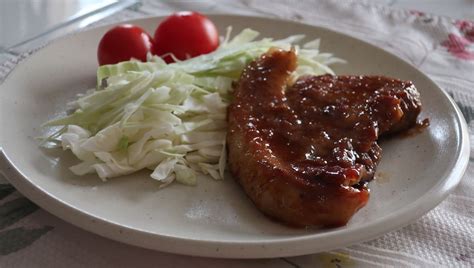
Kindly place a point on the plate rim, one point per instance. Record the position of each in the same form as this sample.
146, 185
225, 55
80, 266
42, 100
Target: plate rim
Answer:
278, 247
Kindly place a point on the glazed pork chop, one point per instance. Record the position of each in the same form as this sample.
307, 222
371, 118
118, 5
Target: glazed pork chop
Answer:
304, 152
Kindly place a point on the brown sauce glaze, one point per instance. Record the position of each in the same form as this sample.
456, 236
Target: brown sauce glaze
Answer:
418, 128
304, 153
327, 126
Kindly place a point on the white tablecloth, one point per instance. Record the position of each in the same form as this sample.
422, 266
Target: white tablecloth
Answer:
443, 48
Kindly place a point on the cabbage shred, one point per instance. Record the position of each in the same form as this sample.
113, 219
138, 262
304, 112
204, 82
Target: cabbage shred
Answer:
169, 118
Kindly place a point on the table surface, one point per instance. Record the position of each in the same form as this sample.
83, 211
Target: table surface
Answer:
31, 237
458, 9
23, 21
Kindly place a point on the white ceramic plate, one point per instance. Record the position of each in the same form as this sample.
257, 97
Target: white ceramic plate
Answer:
215, 218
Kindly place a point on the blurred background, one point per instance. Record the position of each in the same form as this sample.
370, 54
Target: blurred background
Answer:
27, 24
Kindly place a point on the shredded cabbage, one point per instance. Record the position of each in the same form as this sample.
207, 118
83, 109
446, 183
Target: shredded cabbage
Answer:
169, 118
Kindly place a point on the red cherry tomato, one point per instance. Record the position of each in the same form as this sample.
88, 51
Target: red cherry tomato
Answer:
185, 34
122, 43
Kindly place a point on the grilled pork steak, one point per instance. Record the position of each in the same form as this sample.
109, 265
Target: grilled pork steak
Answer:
304, 153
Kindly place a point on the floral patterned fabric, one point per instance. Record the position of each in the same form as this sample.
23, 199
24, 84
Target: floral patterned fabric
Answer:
461, 42
441, 47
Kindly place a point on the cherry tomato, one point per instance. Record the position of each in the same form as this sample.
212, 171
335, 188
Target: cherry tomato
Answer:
185, 34
122, 43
